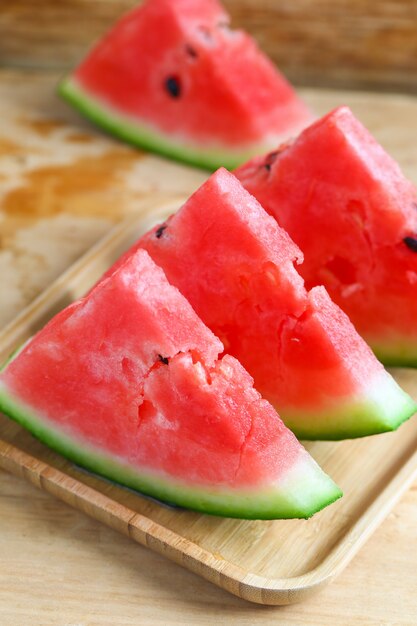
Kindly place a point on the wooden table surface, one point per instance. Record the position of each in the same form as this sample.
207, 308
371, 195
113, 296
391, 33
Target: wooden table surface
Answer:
62, 186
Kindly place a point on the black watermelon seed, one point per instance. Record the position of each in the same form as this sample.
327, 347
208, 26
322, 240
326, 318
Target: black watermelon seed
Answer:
173, 86
192, 52
270, 158
159, 231
411, 242
415, 205
163, 359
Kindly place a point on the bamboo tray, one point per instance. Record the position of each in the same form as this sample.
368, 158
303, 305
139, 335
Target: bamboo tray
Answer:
269, 562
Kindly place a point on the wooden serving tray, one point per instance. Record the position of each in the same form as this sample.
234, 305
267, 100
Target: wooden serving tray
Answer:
269, 562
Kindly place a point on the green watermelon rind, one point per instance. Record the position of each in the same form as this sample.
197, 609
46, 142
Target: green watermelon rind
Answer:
382, 408
303, 491
144, 136
395, 354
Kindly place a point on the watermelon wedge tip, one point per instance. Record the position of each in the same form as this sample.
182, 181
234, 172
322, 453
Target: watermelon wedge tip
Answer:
172, 77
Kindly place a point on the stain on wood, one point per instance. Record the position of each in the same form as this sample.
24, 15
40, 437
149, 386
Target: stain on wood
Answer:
10, 148
41, 126
86, 187
53, 214
78, 137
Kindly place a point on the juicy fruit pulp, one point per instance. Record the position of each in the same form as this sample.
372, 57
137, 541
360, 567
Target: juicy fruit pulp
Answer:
172, 77
236, 267
347, 205
127, 383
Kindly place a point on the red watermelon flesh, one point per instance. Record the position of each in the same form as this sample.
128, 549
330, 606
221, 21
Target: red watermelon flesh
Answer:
127, 383
173, 77
347, 205
236, 266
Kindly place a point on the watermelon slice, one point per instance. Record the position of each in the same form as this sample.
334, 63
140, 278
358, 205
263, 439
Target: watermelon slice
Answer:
173, 78
126, 382
236, 266
347, 205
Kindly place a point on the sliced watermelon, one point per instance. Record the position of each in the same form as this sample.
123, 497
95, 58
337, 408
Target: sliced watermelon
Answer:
236, 266
173, 78
126, 382
347, 205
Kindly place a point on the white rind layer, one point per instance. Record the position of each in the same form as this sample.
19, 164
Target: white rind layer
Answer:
382, 406
299, 493
146, 136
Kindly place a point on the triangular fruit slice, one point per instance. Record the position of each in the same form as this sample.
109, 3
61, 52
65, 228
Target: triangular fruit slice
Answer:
347, 205
126, 382
236, 267
172, 77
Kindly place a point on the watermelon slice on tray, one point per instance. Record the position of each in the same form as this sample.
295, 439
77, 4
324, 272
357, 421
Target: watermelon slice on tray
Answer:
348, 206
235, 265
173, 78
127, 383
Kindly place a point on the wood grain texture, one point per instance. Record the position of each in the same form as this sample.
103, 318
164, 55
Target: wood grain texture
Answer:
273, 562
356, 43
61, 568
